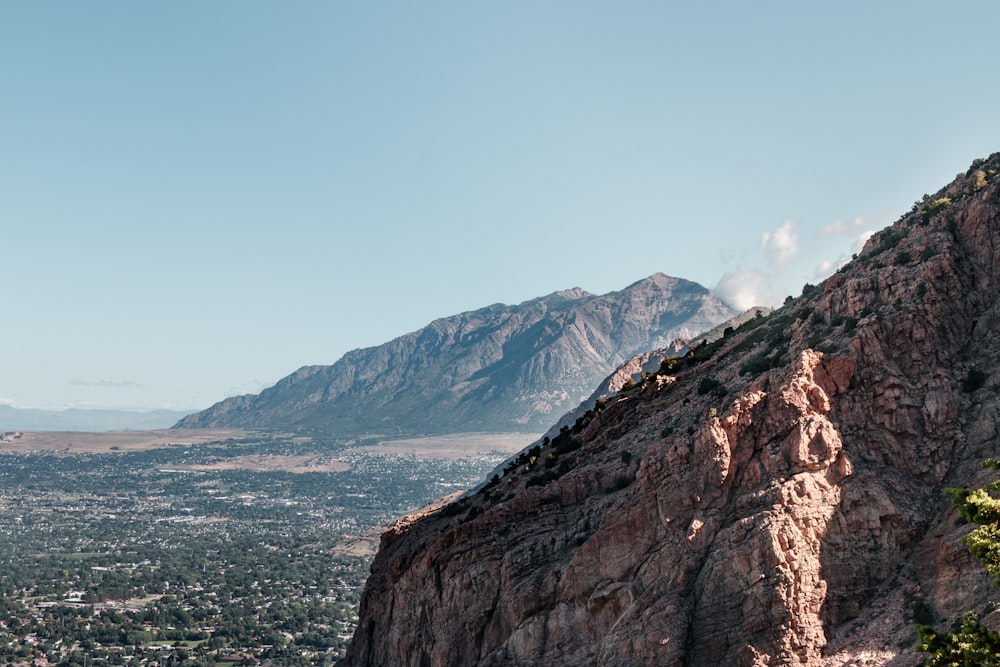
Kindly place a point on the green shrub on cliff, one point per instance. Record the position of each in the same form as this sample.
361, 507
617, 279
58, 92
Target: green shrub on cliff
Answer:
970, 642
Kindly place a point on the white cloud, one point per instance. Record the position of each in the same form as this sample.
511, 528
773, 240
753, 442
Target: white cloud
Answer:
8, 401
745, 288
828, 266
105, 382
860, 241
843, 227
825, 268
781, 245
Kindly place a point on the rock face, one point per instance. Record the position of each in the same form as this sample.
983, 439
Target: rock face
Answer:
773, 499
503, 368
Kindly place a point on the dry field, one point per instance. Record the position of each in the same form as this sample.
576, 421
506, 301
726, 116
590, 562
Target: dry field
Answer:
451, 446
78, 442
70, 443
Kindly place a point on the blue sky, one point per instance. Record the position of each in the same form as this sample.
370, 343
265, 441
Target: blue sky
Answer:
197, 198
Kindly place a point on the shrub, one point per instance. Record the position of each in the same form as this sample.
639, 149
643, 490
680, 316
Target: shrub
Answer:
889, 239
970, 642
670, 365
937, 205
974, 380
759, 364
706, 385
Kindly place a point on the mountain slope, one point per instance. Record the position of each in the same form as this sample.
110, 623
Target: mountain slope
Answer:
498, 368
773, 499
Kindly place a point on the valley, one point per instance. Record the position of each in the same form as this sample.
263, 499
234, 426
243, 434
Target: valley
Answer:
205, 546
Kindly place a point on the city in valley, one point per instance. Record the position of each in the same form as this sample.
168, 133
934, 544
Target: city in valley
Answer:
205, 547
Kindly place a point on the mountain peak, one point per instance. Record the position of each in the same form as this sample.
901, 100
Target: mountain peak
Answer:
500, 368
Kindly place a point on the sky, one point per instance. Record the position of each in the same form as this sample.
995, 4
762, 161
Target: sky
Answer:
197, 198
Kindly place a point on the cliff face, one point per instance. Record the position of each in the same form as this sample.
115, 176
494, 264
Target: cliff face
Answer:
501, 368
775, 499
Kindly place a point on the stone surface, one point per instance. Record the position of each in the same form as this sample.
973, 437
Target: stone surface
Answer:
778, 501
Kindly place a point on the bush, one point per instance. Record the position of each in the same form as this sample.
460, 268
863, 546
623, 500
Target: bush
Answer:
711, 386
670, 365
759, 364
973, 381
706, 385
936, 206
889, 239
970, 642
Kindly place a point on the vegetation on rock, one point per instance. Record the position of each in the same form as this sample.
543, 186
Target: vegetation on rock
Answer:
970, 642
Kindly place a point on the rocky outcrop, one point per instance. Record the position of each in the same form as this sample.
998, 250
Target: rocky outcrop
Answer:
774, 498
647, 362
503, 368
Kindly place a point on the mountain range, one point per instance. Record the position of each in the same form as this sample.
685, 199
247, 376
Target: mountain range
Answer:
499, 368
79, 419
776, 497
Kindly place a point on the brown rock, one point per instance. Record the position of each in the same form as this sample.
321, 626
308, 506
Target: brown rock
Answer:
794, 517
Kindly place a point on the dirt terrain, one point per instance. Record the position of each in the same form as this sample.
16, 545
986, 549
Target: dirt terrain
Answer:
433, 447
77, 442
451, 446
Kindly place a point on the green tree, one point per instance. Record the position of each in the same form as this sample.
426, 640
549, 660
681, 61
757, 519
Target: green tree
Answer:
970, 643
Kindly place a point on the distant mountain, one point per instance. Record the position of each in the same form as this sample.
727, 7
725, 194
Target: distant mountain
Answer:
18, 419
649, 361
500, 368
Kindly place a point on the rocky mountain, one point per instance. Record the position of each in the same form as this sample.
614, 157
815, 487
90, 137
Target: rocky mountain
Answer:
774, 498
500, 368
649, 362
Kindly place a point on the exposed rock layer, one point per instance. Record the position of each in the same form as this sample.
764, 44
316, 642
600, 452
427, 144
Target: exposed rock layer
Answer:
503, 368
775, 500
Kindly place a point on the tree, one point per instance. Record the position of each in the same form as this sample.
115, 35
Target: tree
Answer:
970, 642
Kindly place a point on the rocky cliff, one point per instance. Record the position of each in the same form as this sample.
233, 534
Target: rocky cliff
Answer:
502, 368
774, 498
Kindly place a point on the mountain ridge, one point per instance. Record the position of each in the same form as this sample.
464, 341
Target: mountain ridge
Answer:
496, 368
